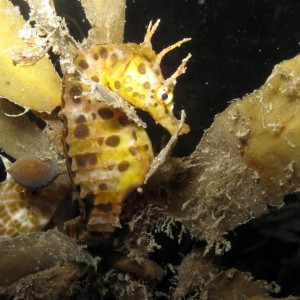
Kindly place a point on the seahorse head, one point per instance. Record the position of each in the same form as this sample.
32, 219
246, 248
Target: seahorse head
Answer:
133, 71
144, 86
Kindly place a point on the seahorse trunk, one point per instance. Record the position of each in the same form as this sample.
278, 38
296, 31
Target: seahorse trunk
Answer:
109, 155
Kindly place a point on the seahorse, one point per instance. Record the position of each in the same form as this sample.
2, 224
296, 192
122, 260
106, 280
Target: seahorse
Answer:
110, 154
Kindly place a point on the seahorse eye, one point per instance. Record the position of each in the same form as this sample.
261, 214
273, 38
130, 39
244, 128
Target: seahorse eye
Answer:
164, 95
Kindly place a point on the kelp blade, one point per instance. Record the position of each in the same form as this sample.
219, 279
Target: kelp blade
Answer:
37, 86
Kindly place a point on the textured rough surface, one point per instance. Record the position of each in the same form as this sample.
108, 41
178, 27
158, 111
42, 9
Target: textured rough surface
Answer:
200, 277
57, 282
105, 19
267, 125
213, 194
232, 284
194, 273
47, 249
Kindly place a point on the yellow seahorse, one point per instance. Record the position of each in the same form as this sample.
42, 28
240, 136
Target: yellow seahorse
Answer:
109, 154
